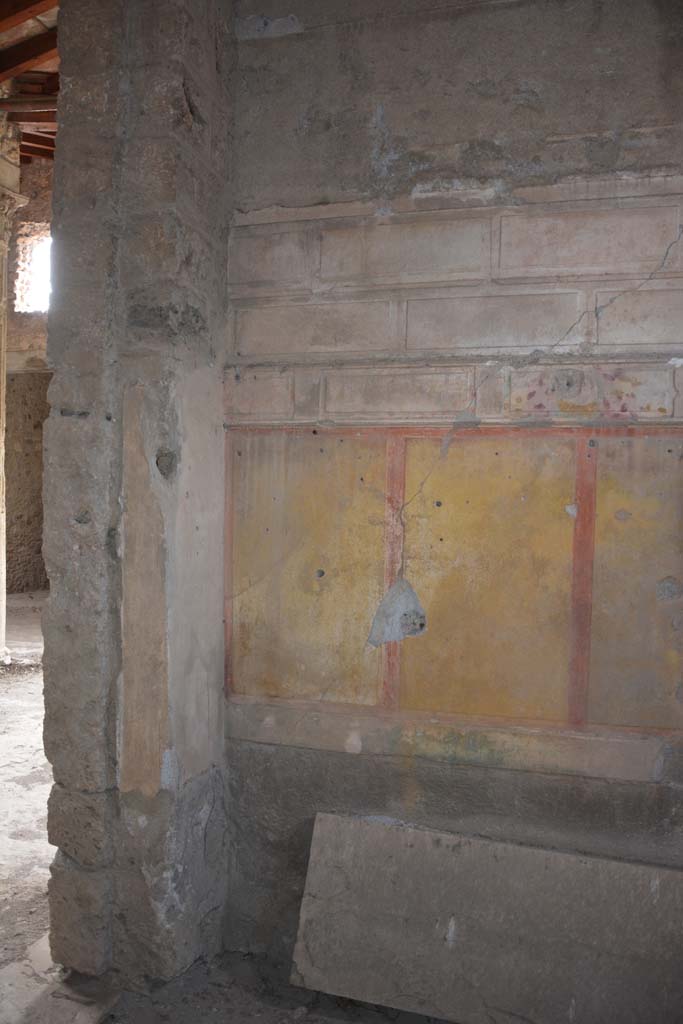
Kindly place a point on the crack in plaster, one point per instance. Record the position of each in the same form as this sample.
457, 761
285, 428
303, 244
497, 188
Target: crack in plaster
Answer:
531, 360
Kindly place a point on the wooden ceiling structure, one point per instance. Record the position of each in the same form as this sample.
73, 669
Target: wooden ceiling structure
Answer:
29, 74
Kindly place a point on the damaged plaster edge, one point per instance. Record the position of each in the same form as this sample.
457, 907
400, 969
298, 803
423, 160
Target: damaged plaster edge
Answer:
453, 194
399, 615
552, 357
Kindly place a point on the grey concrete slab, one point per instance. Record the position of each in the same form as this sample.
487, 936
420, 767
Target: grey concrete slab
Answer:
483, 932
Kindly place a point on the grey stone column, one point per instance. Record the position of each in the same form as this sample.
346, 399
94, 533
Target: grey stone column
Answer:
133, 536
10, 202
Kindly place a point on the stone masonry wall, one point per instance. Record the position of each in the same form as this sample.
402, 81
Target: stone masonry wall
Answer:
27, 409
134, 482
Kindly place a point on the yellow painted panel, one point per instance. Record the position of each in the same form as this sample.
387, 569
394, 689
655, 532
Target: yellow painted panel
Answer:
636, 676
307, 505
489, 552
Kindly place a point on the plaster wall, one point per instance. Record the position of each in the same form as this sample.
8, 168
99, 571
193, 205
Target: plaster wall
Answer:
445, 220
453, 358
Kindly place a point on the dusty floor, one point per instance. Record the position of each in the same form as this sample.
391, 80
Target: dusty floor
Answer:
235, 988
238, 989
25, 780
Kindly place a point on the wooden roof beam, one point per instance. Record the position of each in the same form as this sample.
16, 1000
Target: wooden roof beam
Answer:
24, 103
32, 117
16, 12
41, 141
26, 150
29, 53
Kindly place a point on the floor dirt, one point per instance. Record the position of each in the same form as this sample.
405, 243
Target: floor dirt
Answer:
25, 782
240, 989
234, 988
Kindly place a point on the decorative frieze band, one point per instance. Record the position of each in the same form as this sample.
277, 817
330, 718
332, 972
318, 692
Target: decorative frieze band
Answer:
608, 392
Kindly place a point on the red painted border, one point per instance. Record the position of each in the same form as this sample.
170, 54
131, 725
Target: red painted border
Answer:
228, 566
393, 558
582, 580
626, 429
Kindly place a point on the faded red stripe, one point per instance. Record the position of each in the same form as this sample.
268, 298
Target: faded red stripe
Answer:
582, 580
393, 557
227, 562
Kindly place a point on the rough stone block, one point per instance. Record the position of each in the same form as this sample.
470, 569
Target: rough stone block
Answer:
80, 824
76, 743
582, 242
81, 663
339, 327
98, 103
149, 240
398, 394
646, 317
91, 264
172, 916
494, 321
95, 36
475, 931
151, 173
167, 100
80, 916
158, 32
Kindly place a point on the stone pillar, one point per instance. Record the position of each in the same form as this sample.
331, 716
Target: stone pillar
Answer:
133, 536
9, 203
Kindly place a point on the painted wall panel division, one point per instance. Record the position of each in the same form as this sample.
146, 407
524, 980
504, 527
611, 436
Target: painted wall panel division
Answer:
325, 328
636, 676
488, 548
308, 572
649, 317
433, 249
391, 394
282, 259
494, 321
520, 544
581, 241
